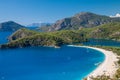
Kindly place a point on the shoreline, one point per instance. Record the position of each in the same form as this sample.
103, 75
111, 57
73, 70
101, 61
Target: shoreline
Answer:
107, 67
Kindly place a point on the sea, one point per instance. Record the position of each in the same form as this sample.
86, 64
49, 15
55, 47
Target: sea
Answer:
48, 63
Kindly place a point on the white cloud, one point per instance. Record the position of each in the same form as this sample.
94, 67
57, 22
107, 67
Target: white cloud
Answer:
117, 15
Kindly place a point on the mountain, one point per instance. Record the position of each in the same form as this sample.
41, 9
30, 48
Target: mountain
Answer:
25, 37
44, 28
106, 31
34, 25
39, 24
10, 26
83, 19
110, 31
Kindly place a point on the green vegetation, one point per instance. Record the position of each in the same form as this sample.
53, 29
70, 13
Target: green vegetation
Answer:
24, 38
69, 36
21, 33
105, 31
110, 48
44, 28
103, 77
35, 40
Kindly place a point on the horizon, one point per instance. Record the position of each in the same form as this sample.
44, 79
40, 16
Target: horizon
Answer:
27, 12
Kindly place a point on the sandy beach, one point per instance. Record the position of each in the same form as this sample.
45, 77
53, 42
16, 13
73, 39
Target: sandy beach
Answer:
108, 67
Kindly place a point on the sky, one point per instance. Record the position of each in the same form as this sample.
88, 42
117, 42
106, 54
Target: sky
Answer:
35, 11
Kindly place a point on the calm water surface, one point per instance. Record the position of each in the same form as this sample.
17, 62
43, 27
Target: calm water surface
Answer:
46, 63
4, 36
102, 42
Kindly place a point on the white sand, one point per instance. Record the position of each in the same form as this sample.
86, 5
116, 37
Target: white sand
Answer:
108, 67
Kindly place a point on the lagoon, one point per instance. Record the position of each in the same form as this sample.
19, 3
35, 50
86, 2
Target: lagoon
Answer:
47, 63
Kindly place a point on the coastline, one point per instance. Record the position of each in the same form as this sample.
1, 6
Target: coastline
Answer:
107, 67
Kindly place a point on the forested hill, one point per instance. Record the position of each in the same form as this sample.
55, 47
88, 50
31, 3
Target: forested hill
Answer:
105, 31
25, 37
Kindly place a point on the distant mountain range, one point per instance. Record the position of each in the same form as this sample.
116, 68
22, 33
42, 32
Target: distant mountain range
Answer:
10, 26
13, 26
78, 21
79, 28
39, 24
83, 19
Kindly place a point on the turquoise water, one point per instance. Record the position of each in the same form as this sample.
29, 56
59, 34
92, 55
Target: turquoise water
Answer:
4, 36
102, 42
47, 63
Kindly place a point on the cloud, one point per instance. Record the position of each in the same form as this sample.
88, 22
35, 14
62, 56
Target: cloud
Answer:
117, 15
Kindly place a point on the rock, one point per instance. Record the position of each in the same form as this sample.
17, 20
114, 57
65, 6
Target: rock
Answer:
84, 19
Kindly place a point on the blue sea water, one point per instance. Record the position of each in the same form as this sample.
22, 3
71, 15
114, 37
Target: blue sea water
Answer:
102, 42
4, 36
47, 63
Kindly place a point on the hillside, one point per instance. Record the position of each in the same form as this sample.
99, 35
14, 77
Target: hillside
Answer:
84, 19
10, 26
24, 38
105, 31
21, 33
